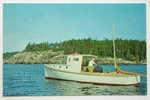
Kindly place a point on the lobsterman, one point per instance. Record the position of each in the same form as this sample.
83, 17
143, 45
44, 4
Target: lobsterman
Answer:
91, 65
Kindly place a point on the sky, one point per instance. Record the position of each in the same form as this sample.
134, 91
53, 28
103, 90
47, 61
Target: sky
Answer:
24, 23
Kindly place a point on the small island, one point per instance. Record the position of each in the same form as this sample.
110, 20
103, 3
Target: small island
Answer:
127, 52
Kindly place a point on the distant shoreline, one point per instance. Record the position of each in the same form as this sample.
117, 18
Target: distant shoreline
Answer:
128, 52
51, 57
98, 65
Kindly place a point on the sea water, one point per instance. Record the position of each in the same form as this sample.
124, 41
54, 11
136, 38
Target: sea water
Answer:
29, 80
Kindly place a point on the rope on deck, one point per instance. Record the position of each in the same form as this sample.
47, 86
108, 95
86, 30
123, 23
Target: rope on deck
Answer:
118, 70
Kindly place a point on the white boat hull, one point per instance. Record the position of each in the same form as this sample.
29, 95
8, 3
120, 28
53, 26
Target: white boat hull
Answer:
97, 78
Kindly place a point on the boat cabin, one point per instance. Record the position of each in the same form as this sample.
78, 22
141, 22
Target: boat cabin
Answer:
74, 63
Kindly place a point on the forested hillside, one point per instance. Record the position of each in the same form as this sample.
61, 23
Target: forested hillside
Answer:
127, 49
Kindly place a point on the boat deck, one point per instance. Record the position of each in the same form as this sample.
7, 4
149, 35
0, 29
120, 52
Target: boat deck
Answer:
106, 73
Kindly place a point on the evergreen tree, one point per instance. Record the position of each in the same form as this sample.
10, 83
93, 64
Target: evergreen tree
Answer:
127, 49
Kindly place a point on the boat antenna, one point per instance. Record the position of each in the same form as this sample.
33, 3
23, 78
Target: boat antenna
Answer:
113, 37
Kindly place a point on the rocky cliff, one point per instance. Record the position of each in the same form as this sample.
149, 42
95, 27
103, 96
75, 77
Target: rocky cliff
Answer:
37, 57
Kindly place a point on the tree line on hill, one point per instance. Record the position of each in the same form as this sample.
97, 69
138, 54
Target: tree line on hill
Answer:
133, 50
7, 55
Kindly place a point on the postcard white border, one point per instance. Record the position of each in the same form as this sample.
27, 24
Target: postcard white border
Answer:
79, 97
73, 1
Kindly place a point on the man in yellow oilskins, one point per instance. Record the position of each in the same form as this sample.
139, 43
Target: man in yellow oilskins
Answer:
91, 65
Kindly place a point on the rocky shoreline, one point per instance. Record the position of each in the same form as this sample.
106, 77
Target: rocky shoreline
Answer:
37, 57
51, 57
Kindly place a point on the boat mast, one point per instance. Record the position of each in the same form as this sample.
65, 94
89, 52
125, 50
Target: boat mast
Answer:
115, 63
113, 37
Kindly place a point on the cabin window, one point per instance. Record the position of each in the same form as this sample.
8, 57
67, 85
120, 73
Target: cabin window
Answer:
66, 67
76, 59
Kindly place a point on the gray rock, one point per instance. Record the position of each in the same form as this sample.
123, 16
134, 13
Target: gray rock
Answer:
37, 57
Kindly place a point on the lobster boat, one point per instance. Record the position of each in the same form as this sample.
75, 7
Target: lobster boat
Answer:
73, 71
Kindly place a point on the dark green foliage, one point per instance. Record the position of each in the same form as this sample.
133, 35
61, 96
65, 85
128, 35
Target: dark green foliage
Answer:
38, 47
133, 50
7, 55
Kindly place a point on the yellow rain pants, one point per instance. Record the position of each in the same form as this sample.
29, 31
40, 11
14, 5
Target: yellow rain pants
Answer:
90, 68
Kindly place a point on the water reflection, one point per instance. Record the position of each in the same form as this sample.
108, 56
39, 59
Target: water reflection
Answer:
69, 88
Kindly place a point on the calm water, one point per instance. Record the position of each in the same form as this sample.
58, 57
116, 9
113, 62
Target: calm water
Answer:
28, 80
